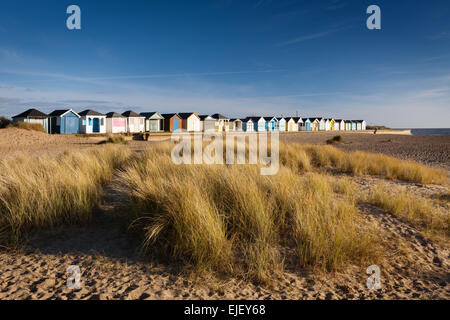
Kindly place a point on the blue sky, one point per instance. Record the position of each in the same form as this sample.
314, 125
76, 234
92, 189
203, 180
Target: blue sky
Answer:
239, 58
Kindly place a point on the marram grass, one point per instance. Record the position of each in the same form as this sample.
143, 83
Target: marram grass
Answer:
44, 192
232, 219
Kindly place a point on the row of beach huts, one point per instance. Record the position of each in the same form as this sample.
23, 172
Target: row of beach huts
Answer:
89, 121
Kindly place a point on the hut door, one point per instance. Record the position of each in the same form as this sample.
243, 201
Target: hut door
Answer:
96, 126
71, 125
175, 124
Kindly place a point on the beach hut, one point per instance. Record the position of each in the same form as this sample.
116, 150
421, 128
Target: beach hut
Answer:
291, 125
154, 121
332, 124
248, 125
315, 124
207, 123
322, 124
116, 123
299, 124
360, 125
222, 122
353, 125
327, 124
339, 124
33, 116
236, 125
271, 123
282, 124
135, 122
190, 121
348, 125
172, 122
259, 124
92, 122
305, 125
64, 121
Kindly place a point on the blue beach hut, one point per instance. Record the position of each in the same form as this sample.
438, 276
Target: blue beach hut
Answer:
64, 121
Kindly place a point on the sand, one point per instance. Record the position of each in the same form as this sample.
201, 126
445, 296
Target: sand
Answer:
112, 267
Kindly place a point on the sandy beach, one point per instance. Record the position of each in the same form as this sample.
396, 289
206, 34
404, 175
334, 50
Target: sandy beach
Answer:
112, 267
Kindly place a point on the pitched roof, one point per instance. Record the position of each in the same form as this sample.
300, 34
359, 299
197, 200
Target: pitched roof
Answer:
235, 119
151, 114
90, 112
169, 115
219, 116
268, 118
60, 113
297, 119
338, 120
32, 113
131, 114
185, 115
204, 116
254, 119
114, 115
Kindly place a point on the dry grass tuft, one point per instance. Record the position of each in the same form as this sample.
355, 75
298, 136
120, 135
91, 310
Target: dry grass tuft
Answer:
45, 192
114, 139
419, 211
233, 220
30, 126
358, 163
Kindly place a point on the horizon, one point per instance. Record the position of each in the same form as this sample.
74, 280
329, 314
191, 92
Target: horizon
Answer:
239, 59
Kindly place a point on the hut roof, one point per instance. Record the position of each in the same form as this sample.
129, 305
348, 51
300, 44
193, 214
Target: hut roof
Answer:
131, 114
60, 113
151, 114
169, 115
32, 113
90, 112
114, 115
219, 116
185, 115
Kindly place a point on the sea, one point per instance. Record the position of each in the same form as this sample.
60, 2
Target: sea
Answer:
431, 132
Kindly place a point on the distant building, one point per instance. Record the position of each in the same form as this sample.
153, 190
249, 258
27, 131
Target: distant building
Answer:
172, 122
92, 122
135, 122
116, 123
33, 116
64, 122
154, 121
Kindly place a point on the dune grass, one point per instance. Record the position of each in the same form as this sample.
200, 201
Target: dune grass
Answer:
222, 218
44, 192
114, 139
419, 211
359, 163
232, 219
335, 139
29, 126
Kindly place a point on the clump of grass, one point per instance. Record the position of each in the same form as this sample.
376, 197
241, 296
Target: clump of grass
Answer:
114, 139
45, 192
361, 163
335, 139
233, 220
29, 126
419, 211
